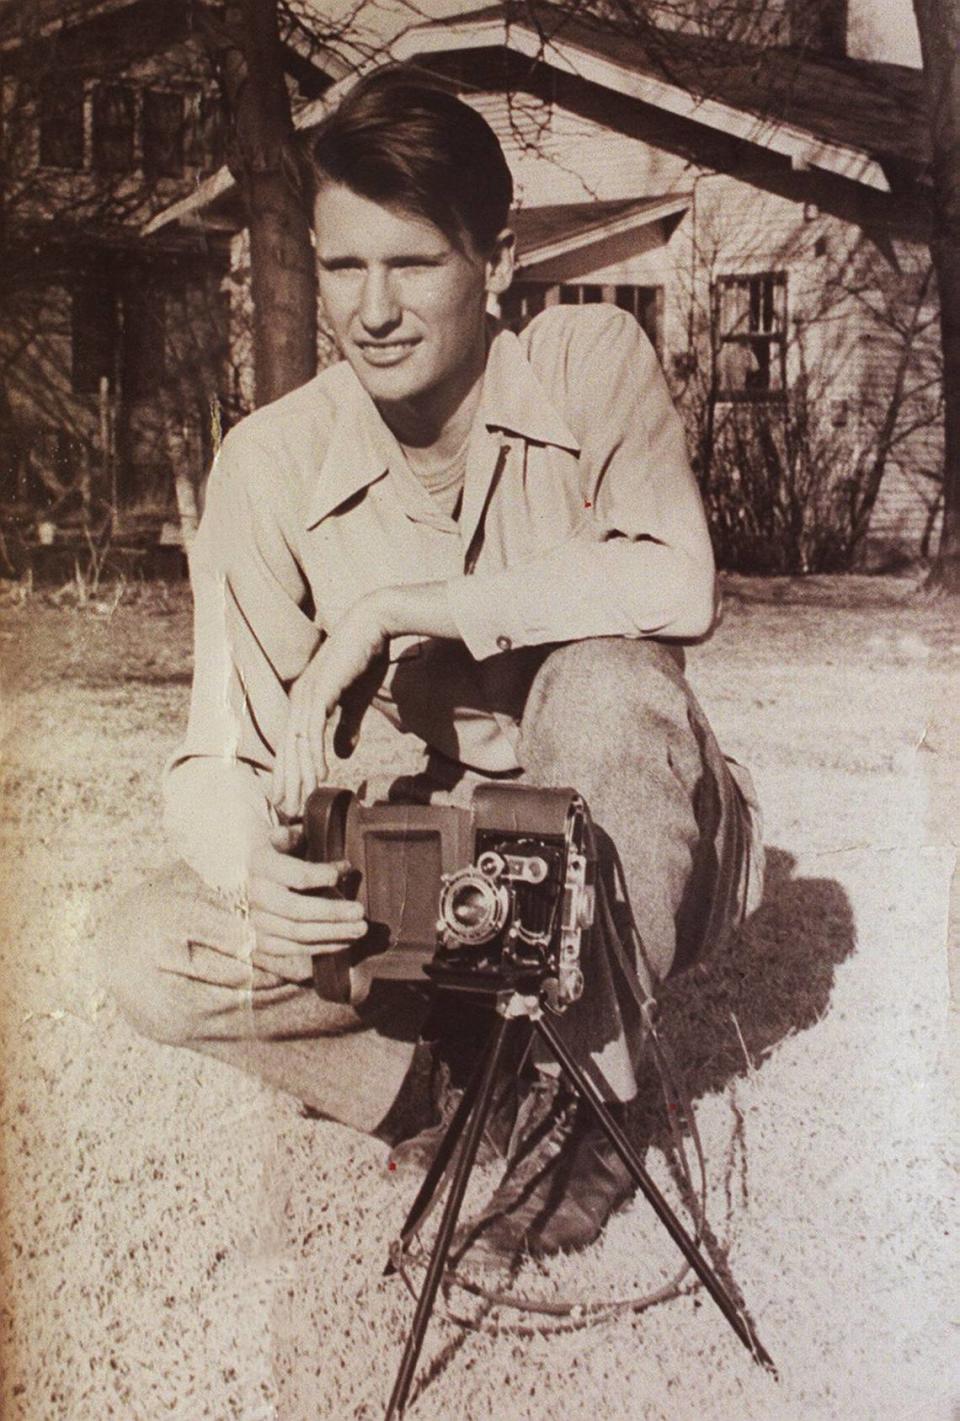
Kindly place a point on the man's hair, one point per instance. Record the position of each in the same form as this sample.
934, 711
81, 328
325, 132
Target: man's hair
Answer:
400, 142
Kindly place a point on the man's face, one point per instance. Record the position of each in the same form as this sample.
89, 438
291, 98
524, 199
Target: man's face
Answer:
406, 306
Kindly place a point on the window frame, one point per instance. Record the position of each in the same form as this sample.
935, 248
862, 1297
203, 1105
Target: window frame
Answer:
98, 138
51, 110
142, 352
765, 335
205, 128
94, 335
535, 295
148, 96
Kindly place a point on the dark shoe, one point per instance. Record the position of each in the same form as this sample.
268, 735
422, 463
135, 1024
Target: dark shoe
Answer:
520, 1107
416, 1154
557, 1197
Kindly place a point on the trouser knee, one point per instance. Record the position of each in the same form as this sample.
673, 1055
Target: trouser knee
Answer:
615, 720
600, 705
133, 945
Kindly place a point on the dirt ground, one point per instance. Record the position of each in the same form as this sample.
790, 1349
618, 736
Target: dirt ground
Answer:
180, 1242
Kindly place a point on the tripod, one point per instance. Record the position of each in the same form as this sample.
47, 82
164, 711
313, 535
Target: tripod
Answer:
517, 1012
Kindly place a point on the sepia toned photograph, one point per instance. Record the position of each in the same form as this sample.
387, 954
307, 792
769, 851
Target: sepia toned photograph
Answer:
479, 649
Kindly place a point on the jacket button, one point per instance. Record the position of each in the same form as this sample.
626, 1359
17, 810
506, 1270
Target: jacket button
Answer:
504, 643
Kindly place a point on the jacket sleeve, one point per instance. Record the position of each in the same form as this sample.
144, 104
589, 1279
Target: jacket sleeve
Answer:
639, 561
251, 639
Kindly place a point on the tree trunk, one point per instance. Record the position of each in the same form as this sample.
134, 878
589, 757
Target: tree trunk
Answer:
938, 22
282, 270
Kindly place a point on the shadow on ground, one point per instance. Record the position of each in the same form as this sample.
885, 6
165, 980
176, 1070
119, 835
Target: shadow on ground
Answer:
721, 1018
107, 680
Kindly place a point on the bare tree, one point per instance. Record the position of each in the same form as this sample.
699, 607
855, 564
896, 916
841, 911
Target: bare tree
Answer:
247, 53
792, 459
938, 22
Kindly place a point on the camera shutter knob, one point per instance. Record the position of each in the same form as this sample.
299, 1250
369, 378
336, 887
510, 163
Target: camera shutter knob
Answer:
504, 643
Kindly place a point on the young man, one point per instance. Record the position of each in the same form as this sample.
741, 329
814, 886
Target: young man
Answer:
501, 538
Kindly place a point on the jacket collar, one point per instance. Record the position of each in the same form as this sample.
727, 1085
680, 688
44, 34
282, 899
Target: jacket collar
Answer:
361, 446
514, 400
358, 451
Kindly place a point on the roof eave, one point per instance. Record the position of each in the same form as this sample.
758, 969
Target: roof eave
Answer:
803, 148
59, 22
190, 208
602, 231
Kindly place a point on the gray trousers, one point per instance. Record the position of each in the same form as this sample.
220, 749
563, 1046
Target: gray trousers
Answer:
678, 851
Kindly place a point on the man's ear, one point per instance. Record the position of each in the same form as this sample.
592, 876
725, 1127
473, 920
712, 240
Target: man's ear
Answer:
500, 263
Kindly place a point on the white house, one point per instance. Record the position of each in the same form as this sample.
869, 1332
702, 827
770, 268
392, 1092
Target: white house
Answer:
761, 212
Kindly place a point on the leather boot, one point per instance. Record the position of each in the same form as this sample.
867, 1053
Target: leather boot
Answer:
558, 1195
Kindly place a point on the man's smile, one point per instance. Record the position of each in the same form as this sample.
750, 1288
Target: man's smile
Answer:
386, 352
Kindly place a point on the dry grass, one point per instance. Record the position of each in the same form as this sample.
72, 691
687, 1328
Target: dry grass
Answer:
178, 1242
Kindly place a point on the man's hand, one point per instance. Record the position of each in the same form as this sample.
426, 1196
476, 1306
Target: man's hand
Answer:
347, 670
291, 921
354, 647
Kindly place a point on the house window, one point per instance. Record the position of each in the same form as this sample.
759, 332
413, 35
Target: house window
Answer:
646, 304
162, 134
580, 295
61, 122
750, 328
521, 302
525, 299
113, 110
206, 125
94, 333
143, 364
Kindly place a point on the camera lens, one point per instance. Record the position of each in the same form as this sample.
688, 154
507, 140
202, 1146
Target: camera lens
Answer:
472, 908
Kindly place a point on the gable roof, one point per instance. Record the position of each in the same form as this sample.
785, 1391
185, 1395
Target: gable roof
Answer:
552, 231
151, 24
39, 17
848, 116
859, 103
858, 119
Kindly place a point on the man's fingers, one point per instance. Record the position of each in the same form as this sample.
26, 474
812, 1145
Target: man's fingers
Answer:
286, 767
287, 966
355, 702
315, 737
306, 770
291, 769
347, 733
297, 873
303, 764
296, 907
297, 935
285, 838
277, 780
275, 866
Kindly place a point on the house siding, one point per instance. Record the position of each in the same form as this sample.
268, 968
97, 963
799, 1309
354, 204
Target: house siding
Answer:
736, 224
556, 155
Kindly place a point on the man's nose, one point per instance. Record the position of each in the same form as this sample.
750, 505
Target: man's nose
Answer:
379, 307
